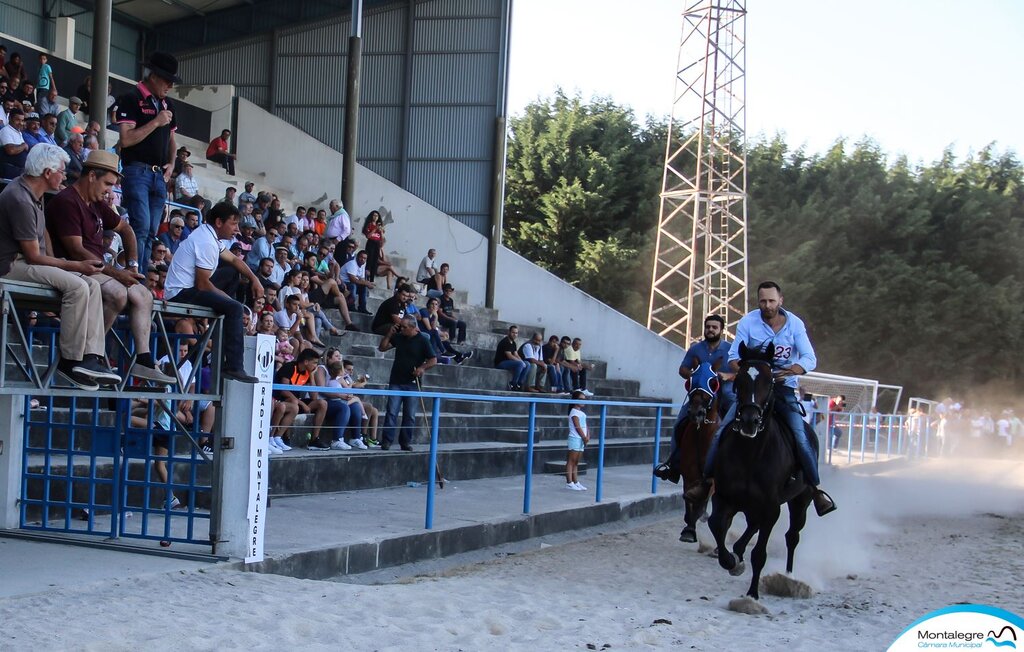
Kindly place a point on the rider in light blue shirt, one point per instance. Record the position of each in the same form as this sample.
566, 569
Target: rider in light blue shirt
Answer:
793, 357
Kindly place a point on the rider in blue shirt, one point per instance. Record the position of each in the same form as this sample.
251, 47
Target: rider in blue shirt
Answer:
712, 349
794, 356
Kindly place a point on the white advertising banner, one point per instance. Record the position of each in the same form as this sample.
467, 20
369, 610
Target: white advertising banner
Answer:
258, 458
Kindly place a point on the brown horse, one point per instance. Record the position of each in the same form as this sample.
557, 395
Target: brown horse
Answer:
693, 436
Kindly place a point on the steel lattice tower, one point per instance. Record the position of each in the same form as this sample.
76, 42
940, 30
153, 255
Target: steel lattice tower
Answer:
700, 263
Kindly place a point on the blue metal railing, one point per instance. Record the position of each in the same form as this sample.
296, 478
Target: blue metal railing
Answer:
914, 436
438, 397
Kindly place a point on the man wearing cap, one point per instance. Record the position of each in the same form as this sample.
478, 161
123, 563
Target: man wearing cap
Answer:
185, 186
34, 133
247, 196
173, 237
180, 159
145, 117
66, 120
24, 256
76, 219
13, 149
448, 316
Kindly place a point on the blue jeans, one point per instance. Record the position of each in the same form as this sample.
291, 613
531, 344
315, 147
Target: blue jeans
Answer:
357, 292
408, 406
518, 368
555, 377
787, 408
232, 311
143, 194
338, 416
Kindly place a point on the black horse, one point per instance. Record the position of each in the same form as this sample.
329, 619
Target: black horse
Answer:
756, 471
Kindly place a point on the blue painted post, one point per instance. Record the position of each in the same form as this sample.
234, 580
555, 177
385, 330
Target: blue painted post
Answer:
529, 457
657, 448
435, 420
863, 435
600, 455
878, 433
849, 439
828, 435
899, 447
888, 438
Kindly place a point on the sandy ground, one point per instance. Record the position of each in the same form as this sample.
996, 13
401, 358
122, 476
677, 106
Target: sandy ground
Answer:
901, 545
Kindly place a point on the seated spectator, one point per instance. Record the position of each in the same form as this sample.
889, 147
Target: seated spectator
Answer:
91, 144
15, 68
448, 316
24, 257
173, 236
573, 362
218, 152
344, 411
185, 185
552, 355
49, 130
370, 412
507, 358
231, 197
67, 119
262, 248
532, 354
413, 357
282, 263
299, 372
26, 93
191, 223
72, 218
75, 150
13, 148
313, 308
426, 271
85, 92
48, 104
391, 311
34, 133
153, 282
264, 274
298, 323
159, 254
428, 324
324, 290
180, 159
190, 280
435, 286
355, 277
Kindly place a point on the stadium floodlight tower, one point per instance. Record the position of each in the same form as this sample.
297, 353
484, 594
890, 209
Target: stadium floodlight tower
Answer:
700, 265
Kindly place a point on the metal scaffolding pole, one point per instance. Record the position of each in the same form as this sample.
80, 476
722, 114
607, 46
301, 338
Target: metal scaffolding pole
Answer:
100, 68
355, 58
700, 265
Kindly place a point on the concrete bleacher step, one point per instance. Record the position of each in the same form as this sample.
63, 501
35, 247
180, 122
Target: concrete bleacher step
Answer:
557, 467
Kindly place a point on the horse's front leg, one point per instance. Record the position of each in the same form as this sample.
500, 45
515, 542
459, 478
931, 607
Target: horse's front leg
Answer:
759, 555
740, 547
797, 519
722, 514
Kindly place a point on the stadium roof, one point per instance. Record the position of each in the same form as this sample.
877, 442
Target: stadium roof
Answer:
151, 12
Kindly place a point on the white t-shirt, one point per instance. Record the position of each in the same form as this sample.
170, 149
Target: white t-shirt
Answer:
532, 351
426, 269
201, 250
354, 268
286, 292
284, 320
11, 136
582, 416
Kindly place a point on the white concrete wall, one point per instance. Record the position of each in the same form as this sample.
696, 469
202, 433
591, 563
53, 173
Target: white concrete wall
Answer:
269, 147
414, 226
215, 99
531, 296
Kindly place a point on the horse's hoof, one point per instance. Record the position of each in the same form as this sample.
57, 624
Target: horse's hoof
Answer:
688, 535
727, 560
738, 569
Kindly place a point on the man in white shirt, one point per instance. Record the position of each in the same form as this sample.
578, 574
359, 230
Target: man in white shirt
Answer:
426, 270
185, 186
13, 149
339, 225
189, 280
354, 275
532, 354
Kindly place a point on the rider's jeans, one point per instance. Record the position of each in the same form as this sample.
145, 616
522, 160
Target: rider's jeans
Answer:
787, 407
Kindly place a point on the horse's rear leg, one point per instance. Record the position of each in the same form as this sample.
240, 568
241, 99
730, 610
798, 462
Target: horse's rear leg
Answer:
689, 533
797, 520
759, 555
720, 521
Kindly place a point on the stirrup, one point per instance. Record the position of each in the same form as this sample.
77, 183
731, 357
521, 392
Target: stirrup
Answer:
820, 507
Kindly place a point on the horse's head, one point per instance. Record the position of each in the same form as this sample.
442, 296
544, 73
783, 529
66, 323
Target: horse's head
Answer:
753, 386
701, 388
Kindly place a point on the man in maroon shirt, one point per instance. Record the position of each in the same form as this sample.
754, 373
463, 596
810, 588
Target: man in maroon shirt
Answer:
76, 219
218, 152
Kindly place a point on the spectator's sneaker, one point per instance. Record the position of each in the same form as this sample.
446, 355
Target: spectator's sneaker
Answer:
444, 359
175, 503
152, 374
587, 393
273, 450
407, 447
317, 445
351, 327
340, 445
97, 371
358, 443
579, 486
66, 370
385, 446
279, 443
468, 355
370, 441
208, 449
570, 486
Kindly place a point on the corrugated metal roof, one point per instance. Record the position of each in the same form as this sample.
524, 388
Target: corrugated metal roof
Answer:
451, 132
455, 79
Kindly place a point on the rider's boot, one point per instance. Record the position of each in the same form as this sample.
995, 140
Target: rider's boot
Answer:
823, 503
666, 471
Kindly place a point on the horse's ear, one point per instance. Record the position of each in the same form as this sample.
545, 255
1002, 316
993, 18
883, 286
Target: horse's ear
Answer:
744, 351
769, 351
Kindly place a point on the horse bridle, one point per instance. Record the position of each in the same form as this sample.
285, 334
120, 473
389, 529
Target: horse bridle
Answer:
761, 409
709, 391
